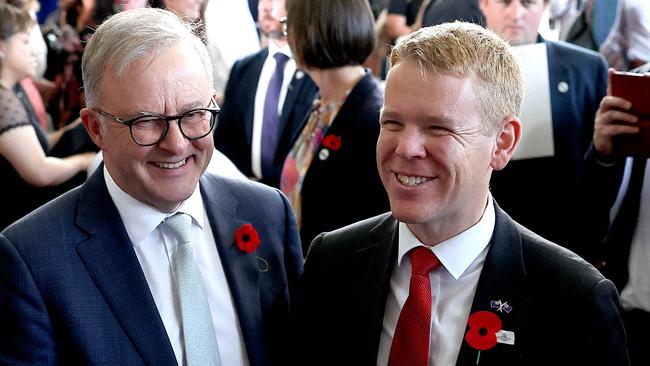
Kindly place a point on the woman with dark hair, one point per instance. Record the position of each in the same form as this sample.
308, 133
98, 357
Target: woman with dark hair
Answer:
330, 176
29, 176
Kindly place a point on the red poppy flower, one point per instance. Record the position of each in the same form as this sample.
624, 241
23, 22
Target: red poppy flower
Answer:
247, 238
483, 326
332, 142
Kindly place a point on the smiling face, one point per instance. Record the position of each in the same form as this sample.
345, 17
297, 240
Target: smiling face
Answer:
165, 174
514, 20
434, 155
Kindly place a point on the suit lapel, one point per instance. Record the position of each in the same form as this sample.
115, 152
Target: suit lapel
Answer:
251, 77
561, 88
241, 269
377, 257
291, 104
501, 279
111, 261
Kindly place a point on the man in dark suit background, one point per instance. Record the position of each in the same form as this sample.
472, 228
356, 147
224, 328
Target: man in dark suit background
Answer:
500, 294
546, 194
106, 274
623, 182
241, 133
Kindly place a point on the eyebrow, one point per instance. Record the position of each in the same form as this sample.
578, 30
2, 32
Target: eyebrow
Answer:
185, 108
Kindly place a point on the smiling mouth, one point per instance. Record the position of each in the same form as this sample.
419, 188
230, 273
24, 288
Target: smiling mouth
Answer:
171, 165
412, 181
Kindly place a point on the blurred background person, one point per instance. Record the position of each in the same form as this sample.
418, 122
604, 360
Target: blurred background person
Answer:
628, 44
329, 175
266, 104
186, 9
230, 34
623, 184
545, 193
442, 11
30, 176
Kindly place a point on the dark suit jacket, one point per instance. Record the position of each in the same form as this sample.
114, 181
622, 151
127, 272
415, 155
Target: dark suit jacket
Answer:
234, 131
547, 194
72, 291
443, 11
612, 256
345, 187
563, 311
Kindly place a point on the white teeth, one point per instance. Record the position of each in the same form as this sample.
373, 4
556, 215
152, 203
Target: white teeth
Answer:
412, 181
171, 165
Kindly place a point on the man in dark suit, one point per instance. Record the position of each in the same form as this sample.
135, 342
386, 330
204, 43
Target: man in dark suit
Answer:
151, 261
442, 11
500, 294
241, 133
546, 194
623, 183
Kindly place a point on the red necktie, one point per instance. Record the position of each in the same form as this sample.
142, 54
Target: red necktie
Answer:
411, 340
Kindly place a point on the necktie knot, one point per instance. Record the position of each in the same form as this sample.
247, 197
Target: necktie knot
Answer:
180, 226
280, 59
423, 261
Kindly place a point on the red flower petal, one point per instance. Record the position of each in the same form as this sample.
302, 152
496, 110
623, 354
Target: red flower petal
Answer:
483, 326
247, 238
332, 142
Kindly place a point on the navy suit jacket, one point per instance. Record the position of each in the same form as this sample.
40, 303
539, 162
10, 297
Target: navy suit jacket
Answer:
234, 131
547, 195
564, 312
72, 291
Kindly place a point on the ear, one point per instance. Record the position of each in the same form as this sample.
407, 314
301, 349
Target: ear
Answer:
507, 140
93, 125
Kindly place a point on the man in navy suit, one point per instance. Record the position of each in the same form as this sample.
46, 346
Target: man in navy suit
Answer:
240, 131
500, 294
94, 277
546, 194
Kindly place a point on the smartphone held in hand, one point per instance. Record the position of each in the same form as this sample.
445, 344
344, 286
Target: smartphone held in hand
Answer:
634, 87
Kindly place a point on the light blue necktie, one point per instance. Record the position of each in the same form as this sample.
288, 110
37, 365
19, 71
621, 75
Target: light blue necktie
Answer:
200, 343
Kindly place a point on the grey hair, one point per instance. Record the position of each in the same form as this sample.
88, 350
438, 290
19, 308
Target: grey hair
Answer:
128, 36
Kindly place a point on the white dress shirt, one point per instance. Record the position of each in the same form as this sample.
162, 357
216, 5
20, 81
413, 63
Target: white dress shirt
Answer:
452, 288
155, 247
260, 95
636, 293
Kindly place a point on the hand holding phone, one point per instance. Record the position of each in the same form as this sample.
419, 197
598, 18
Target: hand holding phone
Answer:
635, 88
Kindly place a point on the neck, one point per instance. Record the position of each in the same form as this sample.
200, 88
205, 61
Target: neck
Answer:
334, 83
6, 79
280, 42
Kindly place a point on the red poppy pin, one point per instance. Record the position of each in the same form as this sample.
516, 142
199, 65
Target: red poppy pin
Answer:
332, 142
482, 332
247, 238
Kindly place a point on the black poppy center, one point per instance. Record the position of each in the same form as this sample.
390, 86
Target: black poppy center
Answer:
246, 237
483, 331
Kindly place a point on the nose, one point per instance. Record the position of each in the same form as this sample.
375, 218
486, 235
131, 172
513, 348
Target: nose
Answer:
174, 140
411, 144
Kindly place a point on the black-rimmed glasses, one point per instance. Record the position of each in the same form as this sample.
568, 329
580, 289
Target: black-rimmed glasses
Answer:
150, 129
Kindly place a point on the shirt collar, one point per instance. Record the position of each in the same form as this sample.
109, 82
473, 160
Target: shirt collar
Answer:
141, 219
456, 253
273, 49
